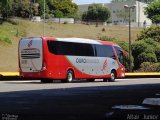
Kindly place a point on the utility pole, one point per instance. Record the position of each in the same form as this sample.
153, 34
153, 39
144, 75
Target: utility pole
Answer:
130, 53
44, 2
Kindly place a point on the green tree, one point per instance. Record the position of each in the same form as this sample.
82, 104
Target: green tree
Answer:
34, 9
29, 8
157, 52
96, 12
67, 7
6, 8
145, 51
85, 16
41, 8
58, 14
146, 48
78, 15
22, 8
151, 32
149, 67
153, 11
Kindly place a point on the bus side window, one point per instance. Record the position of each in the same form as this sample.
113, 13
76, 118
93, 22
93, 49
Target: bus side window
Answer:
71, 48
105, 51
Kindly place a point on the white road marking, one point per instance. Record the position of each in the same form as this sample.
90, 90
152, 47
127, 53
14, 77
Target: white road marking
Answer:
109, 114
129, 107
151, 101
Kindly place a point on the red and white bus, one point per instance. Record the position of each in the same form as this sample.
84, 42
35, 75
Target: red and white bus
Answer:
48, 58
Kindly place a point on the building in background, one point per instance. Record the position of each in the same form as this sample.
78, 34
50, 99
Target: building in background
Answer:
119, 15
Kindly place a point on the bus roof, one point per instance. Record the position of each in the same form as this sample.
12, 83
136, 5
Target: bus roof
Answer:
78, 40
82, 40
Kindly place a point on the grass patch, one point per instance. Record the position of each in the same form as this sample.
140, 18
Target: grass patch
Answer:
79, 30
17, 28
5, 39
11, 30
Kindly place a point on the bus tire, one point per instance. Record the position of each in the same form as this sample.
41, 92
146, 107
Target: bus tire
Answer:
70, 76
105, 80
113, 76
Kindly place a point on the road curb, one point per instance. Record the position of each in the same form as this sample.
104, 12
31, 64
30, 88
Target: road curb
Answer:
9, 76
142, 75
9, 73
15, 75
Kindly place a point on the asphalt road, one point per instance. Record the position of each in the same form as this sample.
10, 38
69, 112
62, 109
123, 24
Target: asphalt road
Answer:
80, 100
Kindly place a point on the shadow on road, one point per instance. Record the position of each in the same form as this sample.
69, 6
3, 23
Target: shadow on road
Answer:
75, 103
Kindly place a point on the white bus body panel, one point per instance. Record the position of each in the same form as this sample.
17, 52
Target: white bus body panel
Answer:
96, 66
31, 54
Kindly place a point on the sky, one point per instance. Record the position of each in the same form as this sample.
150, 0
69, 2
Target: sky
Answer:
79, 2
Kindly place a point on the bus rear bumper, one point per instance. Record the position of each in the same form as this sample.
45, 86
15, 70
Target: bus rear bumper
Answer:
33, 75
121, 75
40, 75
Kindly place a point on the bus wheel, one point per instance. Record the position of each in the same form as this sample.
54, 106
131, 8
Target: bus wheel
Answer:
70, 76
90, 80
113, 76
105, 80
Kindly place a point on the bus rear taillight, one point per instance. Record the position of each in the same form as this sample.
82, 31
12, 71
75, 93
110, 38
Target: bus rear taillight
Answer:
44, 66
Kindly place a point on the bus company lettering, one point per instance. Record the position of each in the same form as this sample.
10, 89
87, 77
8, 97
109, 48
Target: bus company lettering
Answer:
80, 60
85, 60
30, 54
30, 51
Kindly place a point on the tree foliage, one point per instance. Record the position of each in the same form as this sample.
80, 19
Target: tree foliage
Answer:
157, 52
146, 48
67, 7
96, 12
145, 51
153, 11
149, 67
58, 14
6, 8
22, 8
151, 32
29, 8
123, 44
